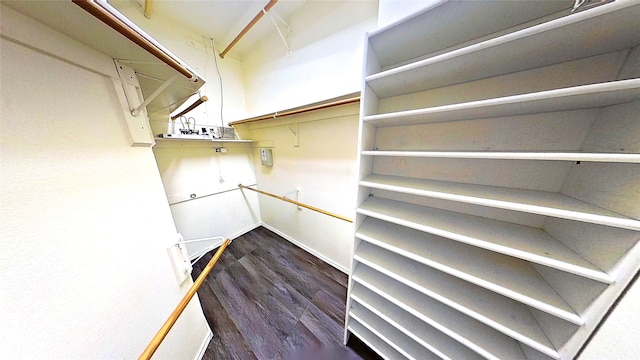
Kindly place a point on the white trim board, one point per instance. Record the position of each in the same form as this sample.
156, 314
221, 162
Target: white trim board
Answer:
291, 240
307, 249
205, 344
232, 237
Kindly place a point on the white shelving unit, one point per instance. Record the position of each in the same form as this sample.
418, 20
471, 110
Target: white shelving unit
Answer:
498, 211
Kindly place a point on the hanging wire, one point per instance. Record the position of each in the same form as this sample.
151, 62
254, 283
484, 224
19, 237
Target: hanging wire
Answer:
220, 78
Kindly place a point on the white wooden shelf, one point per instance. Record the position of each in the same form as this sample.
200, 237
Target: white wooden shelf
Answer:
530, 201
520, 241
572, 37
496, 311
373, 341
509, 277
432, 339
539, 127
479, 338
393, 337
513, 155
571, 98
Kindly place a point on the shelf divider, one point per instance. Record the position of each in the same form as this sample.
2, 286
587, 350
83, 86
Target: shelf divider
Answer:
513, 155
572, 98
477, 337
530, 201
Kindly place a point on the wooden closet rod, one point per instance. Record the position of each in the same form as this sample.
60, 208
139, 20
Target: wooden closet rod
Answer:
297, 111
164, 330
197, 103
101, 13
248, 27
297, 203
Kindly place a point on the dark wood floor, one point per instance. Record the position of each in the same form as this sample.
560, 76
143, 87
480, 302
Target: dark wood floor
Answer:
268, 299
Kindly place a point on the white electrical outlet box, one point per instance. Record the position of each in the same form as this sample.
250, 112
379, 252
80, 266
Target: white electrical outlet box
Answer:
180, 260
266, 157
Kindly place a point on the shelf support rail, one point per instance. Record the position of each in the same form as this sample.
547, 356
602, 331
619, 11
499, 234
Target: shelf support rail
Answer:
109, 15
164, 330
297, 203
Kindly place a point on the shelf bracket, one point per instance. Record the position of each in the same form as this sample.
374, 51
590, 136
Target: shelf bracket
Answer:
133, 91
285, 38
155, 94
129, 93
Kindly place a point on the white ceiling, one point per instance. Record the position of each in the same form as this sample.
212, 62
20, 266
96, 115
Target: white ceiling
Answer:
220, 19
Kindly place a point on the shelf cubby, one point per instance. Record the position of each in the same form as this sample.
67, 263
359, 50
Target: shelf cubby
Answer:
508, 277
474, 335
506, 316
432, 339
401, 344
570, 35
515, 240
373, 341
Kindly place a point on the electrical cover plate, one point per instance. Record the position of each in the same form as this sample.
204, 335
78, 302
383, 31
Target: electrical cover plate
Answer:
266, 157
180, 260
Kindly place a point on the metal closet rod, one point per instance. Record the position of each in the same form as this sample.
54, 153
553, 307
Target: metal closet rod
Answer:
297, 203
164, 330
276, 115
101, 13
248, 27
197, 103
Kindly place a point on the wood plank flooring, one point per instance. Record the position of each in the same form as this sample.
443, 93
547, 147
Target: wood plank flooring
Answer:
268, 299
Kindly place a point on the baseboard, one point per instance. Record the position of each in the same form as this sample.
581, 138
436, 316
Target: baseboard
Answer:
240, 233
217, 244
307, 249
205, 344
291, 240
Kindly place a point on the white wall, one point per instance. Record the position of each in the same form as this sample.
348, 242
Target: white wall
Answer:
327, 42
218, 207
84, 221
323, 166
390, 11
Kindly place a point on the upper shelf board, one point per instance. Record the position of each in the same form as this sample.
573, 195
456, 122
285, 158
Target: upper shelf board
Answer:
512, 155
572, 98
408, 38
530, 201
